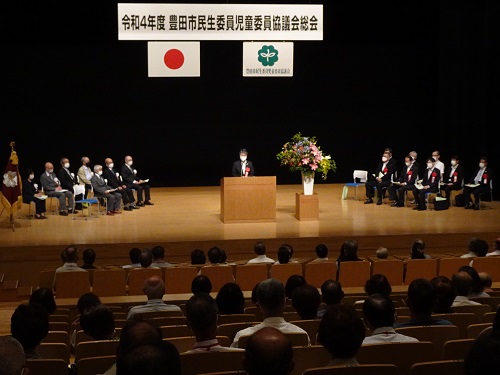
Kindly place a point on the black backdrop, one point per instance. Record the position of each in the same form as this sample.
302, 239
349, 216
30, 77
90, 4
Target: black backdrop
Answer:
410, 75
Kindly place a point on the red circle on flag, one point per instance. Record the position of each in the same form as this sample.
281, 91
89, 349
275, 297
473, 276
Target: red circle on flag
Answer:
173, 59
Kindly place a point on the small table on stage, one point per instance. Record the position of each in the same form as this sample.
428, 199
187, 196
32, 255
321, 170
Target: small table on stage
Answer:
248, 199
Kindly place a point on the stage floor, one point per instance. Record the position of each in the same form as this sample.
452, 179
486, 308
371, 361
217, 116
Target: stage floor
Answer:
193, 214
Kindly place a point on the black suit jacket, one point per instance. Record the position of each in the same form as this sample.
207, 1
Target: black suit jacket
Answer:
408, 176
67, 181
389, 171
110, 175
128, 176
457, 178
485, 180
433, 180
236, 170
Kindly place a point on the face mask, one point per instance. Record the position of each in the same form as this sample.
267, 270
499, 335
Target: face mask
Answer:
243, 158
407, 163
32, 176
66, 165
481, 165
111, 165
384, 158
130, 163
50, 171
99, 173
453, 162
429, 165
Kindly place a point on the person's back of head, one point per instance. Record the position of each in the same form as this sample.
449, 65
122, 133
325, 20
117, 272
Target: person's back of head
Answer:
223, 256
201, 315
87, 300
445, 294
268, 352
158, 252
89, 256
270, 294
215, 255
462, 282
417, 249
351, 249
306, 300
161, 358
378, 284
382, 253
98, 322
230, 299
331, 292
198, 257
134, 255
421, 298
45, 297
321, 251
137, 332
146, 258
259, 248
379, 311
480, 247
486, 280
154, 287
477, 286
70, 254
484, 355
29, 324
201, 284
341, 331
283, 255
293, 282
12, 358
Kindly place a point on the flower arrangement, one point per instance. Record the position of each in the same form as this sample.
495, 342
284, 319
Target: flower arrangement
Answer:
304, 155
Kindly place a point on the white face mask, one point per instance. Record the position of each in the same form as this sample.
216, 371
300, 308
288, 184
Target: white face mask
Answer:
481, 165
453, 162
243, 158
50, 171
99, 173
407, 163
32, 176
66, 165
111, 165
384, 158
130, 162
429, 165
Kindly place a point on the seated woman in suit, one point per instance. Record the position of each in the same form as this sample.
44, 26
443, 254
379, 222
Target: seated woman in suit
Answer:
32, 194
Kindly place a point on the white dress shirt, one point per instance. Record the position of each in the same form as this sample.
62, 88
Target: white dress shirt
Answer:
384, 335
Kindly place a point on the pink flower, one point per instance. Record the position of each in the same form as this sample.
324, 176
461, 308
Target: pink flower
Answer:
314, 167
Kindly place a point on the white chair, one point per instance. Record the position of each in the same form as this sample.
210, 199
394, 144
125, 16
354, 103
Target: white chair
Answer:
359, 178
482, 196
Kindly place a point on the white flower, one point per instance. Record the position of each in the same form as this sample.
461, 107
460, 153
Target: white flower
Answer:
10, 179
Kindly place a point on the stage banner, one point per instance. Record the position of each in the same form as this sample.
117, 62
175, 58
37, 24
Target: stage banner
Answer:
268, 59
173, 59
283, 22
12, 198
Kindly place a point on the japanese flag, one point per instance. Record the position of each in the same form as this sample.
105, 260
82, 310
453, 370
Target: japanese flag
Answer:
173, 59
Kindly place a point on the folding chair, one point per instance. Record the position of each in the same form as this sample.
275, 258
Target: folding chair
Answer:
359, 178
385, 369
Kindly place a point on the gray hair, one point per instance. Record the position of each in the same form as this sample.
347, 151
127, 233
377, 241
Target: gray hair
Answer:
97, 167
12, 354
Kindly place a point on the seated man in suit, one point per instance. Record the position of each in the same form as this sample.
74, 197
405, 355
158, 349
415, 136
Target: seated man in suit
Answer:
132, 181
103, 190
70, 182
52, 187
382, 178
242, 167
478, 185
430, 184
406, 181
114, 180
453, 178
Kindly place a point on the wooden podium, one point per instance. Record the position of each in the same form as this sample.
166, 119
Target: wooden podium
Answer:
248, 199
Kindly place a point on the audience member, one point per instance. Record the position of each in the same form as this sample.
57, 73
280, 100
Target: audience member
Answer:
430, 178
31, 193
284, 255
477, 286
69, 182
52, 188
421, 300
223, 256
230, 299
496, 248
161, 358
378, 284
98, 322
462, 281
341, 332
201, 315
382, 253
146, 258
215, 255
85, 301
472, 246
89, 256
113, 179
12, 358
29, 324
331, 294
198, 257
480, 249
69, 257
154, 289
486, 282
445, 294
201, 284
44, 297
306, 300
103, 190
270, 294
348, 252
132, 181
418, 250
321, 253
158, 253
85, 174
382, 178
268, 352
379, 313
134, 255
453, 178
293, 282
478, 185
260, 250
